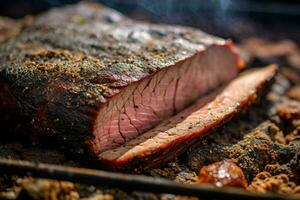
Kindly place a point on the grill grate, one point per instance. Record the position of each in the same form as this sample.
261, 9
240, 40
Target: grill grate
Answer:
127, 181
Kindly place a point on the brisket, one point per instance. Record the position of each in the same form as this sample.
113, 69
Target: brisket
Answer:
175, 135
9, 28
90, 77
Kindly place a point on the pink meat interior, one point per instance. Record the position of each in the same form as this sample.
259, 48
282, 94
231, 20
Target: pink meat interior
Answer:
143, 104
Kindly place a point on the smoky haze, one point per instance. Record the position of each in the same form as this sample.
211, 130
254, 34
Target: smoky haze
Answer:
226, 18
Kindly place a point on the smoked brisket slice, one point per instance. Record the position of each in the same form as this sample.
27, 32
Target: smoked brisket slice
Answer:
177, 134
90, 77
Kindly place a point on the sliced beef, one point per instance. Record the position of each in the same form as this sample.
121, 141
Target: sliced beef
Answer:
178, 133
91, 77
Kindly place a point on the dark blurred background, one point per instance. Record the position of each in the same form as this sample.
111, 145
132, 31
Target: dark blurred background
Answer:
272, 19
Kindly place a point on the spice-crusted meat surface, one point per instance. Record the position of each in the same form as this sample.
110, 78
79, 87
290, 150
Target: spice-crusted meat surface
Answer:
96, 78
9, 28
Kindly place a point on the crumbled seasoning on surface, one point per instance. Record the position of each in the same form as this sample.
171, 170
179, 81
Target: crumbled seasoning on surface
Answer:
294, 93
59, 61
47, 189
175, 171
258, 148
289, 110
293, 135
265, 182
